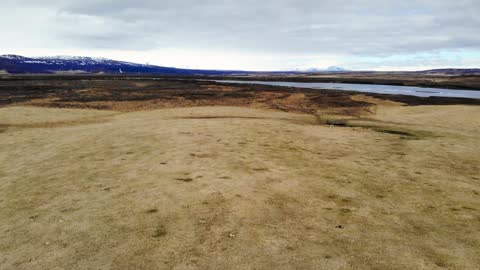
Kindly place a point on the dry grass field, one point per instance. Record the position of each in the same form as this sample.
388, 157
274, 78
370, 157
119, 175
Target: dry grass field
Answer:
182, 174
222, 187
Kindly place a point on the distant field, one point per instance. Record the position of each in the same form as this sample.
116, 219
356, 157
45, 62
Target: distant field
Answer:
169, 175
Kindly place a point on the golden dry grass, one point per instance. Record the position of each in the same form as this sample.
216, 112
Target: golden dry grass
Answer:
238, 188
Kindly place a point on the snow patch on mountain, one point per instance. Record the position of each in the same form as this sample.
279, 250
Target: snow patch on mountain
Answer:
329, 69
70, 58
335, 68
12, 57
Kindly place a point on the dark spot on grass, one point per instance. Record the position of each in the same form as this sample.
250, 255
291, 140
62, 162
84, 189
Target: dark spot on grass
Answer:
185, 179
68, 210
404, 134
393, 132
3, 128
338, 123
151, 211
339, 227
346, 200
289, 247
309, 227
199, 155
160, 231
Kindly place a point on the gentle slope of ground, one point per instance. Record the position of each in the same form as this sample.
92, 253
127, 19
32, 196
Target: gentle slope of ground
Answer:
239, 188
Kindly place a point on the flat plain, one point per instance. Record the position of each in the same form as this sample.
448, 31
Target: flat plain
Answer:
167, 174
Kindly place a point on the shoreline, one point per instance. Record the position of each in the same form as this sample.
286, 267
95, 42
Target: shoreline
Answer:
453, 82
135, 94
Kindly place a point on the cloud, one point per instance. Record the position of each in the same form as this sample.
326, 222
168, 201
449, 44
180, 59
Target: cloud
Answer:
351, 28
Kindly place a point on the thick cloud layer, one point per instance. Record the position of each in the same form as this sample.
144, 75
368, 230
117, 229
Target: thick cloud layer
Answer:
348, 28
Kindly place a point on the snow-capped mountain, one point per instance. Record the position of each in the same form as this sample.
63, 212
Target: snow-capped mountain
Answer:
329, 69
335, 68
16, 64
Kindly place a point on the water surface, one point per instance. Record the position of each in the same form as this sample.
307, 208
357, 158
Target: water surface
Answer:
373, 88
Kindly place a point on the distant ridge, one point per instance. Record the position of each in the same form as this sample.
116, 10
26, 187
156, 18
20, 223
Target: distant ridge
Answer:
453, 71
16, 64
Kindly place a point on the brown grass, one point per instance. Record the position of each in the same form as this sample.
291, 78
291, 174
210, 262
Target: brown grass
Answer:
239, 188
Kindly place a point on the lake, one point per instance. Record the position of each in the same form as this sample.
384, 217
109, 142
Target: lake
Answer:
372, 88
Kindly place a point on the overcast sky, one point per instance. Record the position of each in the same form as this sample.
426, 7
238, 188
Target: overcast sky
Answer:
249, 34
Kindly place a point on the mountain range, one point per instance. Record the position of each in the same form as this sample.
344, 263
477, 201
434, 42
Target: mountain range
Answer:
16, 64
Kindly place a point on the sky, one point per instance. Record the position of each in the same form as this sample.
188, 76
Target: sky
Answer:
248, 34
